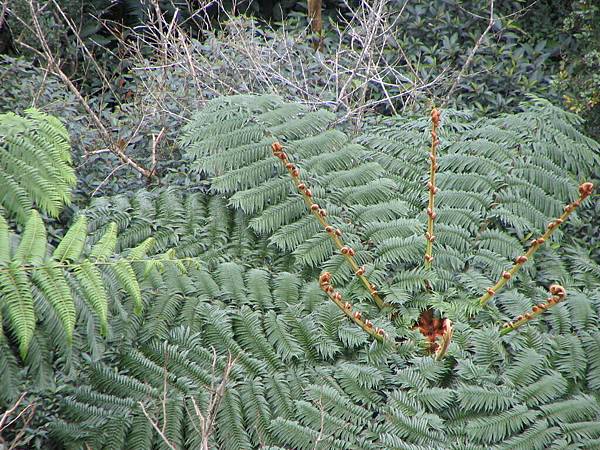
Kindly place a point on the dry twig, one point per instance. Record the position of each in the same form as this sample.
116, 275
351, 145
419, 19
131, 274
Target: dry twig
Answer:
116, 147
27, 413
474, 50
207, 419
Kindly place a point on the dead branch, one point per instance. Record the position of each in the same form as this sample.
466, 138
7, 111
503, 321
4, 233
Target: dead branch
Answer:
11, 410
27, 413
474, 50
156, 427
207, 419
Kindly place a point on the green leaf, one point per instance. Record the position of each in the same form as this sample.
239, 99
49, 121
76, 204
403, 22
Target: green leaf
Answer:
15, 291
32, 248
52, 283
4, 242
106, 245
90, 280
126, 276
71, 245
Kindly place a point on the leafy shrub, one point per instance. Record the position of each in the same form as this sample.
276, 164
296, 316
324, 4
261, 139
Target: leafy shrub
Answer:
439, 36
579, 81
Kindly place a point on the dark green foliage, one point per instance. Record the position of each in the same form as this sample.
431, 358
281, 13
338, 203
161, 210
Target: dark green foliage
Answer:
578, 81
510, 63
296, 398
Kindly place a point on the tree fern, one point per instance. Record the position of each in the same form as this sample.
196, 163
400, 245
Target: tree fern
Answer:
303, 375
378, 405
35, 161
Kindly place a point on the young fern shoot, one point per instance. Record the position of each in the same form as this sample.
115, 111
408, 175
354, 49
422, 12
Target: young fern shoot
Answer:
558, 294
356, 316
438, 331
585, 190
321, 214
431, 215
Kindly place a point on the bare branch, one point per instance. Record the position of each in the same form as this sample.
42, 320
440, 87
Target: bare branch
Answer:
474, 50
207, 419
155, 141
156, 427
27, 413
11, 410
114, 146
30, 409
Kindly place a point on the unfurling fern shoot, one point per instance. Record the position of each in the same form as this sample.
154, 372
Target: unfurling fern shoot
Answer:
431, 186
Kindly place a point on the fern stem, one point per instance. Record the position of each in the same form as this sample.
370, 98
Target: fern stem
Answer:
429, 235
585, 191
320, 214
558, 294
346, 307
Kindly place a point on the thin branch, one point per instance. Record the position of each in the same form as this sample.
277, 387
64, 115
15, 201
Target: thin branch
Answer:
155, 141
11, 410
474, 50
103, 182
113, 146
321, 424
3, 12
207, 420
30, 409
155, 426
27, 413
85, 49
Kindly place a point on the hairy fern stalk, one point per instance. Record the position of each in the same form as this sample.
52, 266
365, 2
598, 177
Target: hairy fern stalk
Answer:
247, 276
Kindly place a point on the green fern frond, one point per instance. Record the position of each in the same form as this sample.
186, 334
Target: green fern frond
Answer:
32, 248
50, 280
18, 301
536, 437
71, 245
35, 164
488, 398
492, 429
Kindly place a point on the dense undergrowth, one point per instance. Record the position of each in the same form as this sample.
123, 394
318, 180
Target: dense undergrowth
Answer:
231, 289
183, 309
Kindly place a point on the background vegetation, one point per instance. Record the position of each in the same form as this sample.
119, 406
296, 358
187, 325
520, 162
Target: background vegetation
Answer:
158, 274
